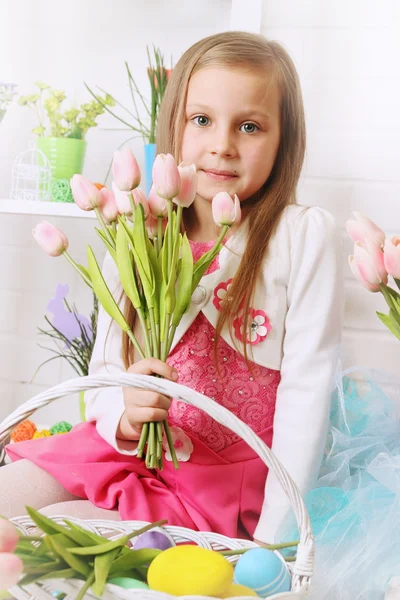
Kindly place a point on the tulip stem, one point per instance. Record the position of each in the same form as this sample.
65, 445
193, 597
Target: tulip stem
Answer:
170, 236
135, 343
145, 332
104, 228
132, 203
178, 221
153, 333
387, 296
76, 267
159, 234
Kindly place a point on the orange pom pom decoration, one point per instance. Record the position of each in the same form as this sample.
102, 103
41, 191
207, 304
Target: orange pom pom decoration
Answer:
23, 432
41, 434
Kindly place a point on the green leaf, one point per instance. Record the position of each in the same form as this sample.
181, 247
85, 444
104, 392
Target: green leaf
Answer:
185, 282
392, 326
83, 536
170, 292
202, 265
58, 545
134, 558
155, 265
102, 565
140, 252
126, 268
102, 292
44, 523
106, 242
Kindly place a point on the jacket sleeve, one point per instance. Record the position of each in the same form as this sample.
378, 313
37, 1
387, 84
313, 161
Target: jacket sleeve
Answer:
311, 347
105, 406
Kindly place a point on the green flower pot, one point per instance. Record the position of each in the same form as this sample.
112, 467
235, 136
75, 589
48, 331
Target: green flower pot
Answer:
66, 155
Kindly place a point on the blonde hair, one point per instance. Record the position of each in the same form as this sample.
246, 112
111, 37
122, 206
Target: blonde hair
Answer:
240, 49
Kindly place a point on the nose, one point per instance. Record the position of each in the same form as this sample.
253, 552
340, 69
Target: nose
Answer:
223, 143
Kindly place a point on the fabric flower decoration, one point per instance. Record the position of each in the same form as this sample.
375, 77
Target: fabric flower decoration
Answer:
260, 327
182, 444
220, 292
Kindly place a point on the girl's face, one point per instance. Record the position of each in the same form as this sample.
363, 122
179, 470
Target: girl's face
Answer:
232, 130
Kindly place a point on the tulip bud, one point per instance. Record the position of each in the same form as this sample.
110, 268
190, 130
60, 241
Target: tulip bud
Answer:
188, 185
86, 195
363, 229
11, 568
391, 256
109, 208
8, 536
166, 178
225, 211
122, 200
126, 170
53, 241
140, 198
151, 226
158, 206
366, 269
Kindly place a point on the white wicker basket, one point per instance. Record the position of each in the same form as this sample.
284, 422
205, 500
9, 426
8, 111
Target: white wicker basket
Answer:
301, 569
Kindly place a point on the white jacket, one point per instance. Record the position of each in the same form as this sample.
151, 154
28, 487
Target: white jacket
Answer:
301, 291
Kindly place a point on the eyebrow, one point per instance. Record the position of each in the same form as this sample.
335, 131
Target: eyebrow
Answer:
242, 114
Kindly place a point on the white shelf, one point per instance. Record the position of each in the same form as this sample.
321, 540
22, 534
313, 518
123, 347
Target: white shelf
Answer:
51, 209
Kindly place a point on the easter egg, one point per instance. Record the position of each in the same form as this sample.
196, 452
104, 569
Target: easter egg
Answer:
128, 583
239, 590
263, 571
159, 540
190, 570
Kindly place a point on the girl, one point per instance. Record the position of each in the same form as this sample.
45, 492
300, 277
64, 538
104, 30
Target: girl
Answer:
261, 336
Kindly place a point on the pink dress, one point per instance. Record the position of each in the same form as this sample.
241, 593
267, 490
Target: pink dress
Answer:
220, 488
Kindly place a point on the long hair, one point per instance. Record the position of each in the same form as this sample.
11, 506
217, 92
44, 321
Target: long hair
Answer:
240, 49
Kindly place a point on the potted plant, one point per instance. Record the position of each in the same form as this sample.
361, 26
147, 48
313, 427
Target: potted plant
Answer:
144, 125
61, 132
7, 93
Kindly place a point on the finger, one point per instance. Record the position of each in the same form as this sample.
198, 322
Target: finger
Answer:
154, 366
146, 414
148, 399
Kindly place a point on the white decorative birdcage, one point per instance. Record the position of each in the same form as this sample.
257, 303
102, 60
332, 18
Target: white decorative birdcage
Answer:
31, 176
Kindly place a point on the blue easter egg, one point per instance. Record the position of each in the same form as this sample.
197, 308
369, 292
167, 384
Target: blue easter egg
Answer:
158, 540
263, 571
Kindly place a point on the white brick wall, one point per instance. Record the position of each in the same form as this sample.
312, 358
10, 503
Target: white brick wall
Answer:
347, 54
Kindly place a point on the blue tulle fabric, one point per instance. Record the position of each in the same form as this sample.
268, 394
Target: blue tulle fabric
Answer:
355, 506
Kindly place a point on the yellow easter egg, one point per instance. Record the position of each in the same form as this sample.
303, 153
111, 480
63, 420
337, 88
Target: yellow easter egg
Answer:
190, 570
237, 589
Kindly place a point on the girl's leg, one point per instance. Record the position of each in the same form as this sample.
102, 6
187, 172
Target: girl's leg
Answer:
23, 483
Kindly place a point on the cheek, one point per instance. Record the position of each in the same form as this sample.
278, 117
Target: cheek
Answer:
189, 146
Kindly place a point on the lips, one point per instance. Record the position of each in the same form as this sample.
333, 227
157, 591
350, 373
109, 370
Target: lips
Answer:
220, 175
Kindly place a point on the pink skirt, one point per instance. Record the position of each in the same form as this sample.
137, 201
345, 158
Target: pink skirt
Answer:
221, 492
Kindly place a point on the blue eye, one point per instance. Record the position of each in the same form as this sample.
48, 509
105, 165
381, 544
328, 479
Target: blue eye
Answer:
201, 120
249, 127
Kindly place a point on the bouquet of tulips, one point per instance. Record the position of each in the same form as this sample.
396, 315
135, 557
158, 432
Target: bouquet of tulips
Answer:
375, 258
152, 255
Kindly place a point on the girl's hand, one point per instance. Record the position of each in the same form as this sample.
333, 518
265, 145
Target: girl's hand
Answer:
143, 406
11, 565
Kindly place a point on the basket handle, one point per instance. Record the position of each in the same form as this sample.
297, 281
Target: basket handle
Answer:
304, 565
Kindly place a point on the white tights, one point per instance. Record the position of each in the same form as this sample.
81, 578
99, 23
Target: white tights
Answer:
23, 483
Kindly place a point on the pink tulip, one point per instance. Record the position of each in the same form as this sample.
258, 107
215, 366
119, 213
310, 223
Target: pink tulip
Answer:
363, 229
9, 536
86, 195
109, 208
122, 200
225, 211
53, 241
126, 170
366, 265
152, 226
166, 178
11, 568
391, 255
140, 198
189, 185
158, 206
